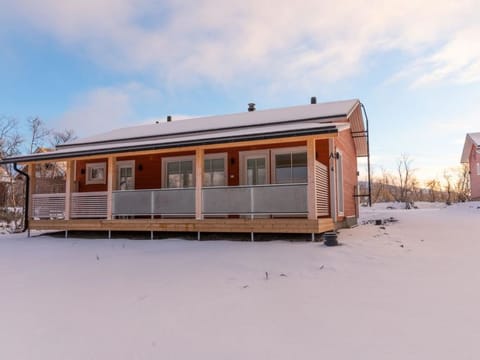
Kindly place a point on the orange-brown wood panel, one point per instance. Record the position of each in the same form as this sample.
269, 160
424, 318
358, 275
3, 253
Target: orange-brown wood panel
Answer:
148, 171
321, 149
323, 156
344, 144
81, 176
148, 168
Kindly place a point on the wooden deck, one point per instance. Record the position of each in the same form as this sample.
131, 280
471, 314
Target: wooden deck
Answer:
290, 226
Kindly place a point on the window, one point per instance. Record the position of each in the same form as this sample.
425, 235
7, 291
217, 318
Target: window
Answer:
126, 175
256, 171
96, 173
178, 172
254, 167
214, 171
290, 166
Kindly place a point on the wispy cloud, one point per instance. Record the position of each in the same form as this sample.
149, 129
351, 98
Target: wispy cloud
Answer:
102, 109
183, 42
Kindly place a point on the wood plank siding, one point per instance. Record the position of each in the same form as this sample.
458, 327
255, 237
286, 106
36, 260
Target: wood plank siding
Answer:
148, 168
345, 145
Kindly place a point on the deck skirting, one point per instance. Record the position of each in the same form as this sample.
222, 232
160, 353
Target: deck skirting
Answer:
290, 226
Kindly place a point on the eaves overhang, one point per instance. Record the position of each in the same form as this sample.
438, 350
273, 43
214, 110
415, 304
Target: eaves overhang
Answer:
175, 143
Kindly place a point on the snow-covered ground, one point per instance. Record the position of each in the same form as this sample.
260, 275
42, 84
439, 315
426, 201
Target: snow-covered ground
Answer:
409, 290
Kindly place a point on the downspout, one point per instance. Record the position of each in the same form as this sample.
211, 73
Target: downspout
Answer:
368, 157
333, 181
27, 196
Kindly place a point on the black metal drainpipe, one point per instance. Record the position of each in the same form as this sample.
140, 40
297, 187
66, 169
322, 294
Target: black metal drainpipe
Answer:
27, 196
368, 157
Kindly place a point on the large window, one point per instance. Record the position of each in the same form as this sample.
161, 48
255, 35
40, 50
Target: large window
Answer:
256, 171
178, 172
290, 166
214, 172
96, 173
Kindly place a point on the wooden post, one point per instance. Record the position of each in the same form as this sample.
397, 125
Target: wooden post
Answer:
31, 191
111, 184
311, 184
199, 164
69, 186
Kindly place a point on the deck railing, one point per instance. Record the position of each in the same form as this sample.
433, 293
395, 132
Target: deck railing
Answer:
89, 205
278, 199
275, 199
154, 202
48, 206
83, 205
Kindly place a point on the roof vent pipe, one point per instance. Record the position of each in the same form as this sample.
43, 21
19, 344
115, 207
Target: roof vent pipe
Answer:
251, 106
313, 100
169, 118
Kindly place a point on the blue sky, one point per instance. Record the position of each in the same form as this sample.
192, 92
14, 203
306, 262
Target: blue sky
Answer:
97, 64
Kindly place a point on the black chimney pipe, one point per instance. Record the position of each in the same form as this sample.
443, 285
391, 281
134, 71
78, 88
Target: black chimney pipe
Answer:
251, 107
169, 118
313, 100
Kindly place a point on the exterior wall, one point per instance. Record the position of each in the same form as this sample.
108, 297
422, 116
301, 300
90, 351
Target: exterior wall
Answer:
150, 175
81, 175
148, 168
323, 156
474, 175
344, 144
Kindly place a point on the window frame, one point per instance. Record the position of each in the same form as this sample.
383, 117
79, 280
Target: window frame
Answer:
283, 151
170, 159
125, 163
89, 167
214, 156
251, 154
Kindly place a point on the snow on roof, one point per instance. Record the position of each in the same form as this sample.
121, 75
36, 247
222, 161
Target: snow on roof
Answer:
471, 139
325, 111
262, 124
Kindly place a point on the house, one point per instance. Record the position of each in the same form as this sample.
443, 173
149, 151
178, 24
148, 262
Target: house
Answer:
471, 156
286, 170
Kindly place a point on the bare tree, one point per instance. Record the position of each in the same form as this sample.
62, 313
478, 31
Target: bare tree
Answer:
434, 188
39, 134
447, 176
10, 143
406, 179
462, 186
62, 137
10, 139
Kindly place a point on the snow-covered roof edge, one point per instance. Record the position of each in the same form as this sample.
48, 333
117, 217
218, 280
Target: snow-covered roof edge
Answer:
326, 111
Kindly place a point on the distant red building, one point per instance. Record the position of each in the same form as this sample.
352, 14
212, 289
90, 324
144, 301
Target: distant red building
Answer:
471, 156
